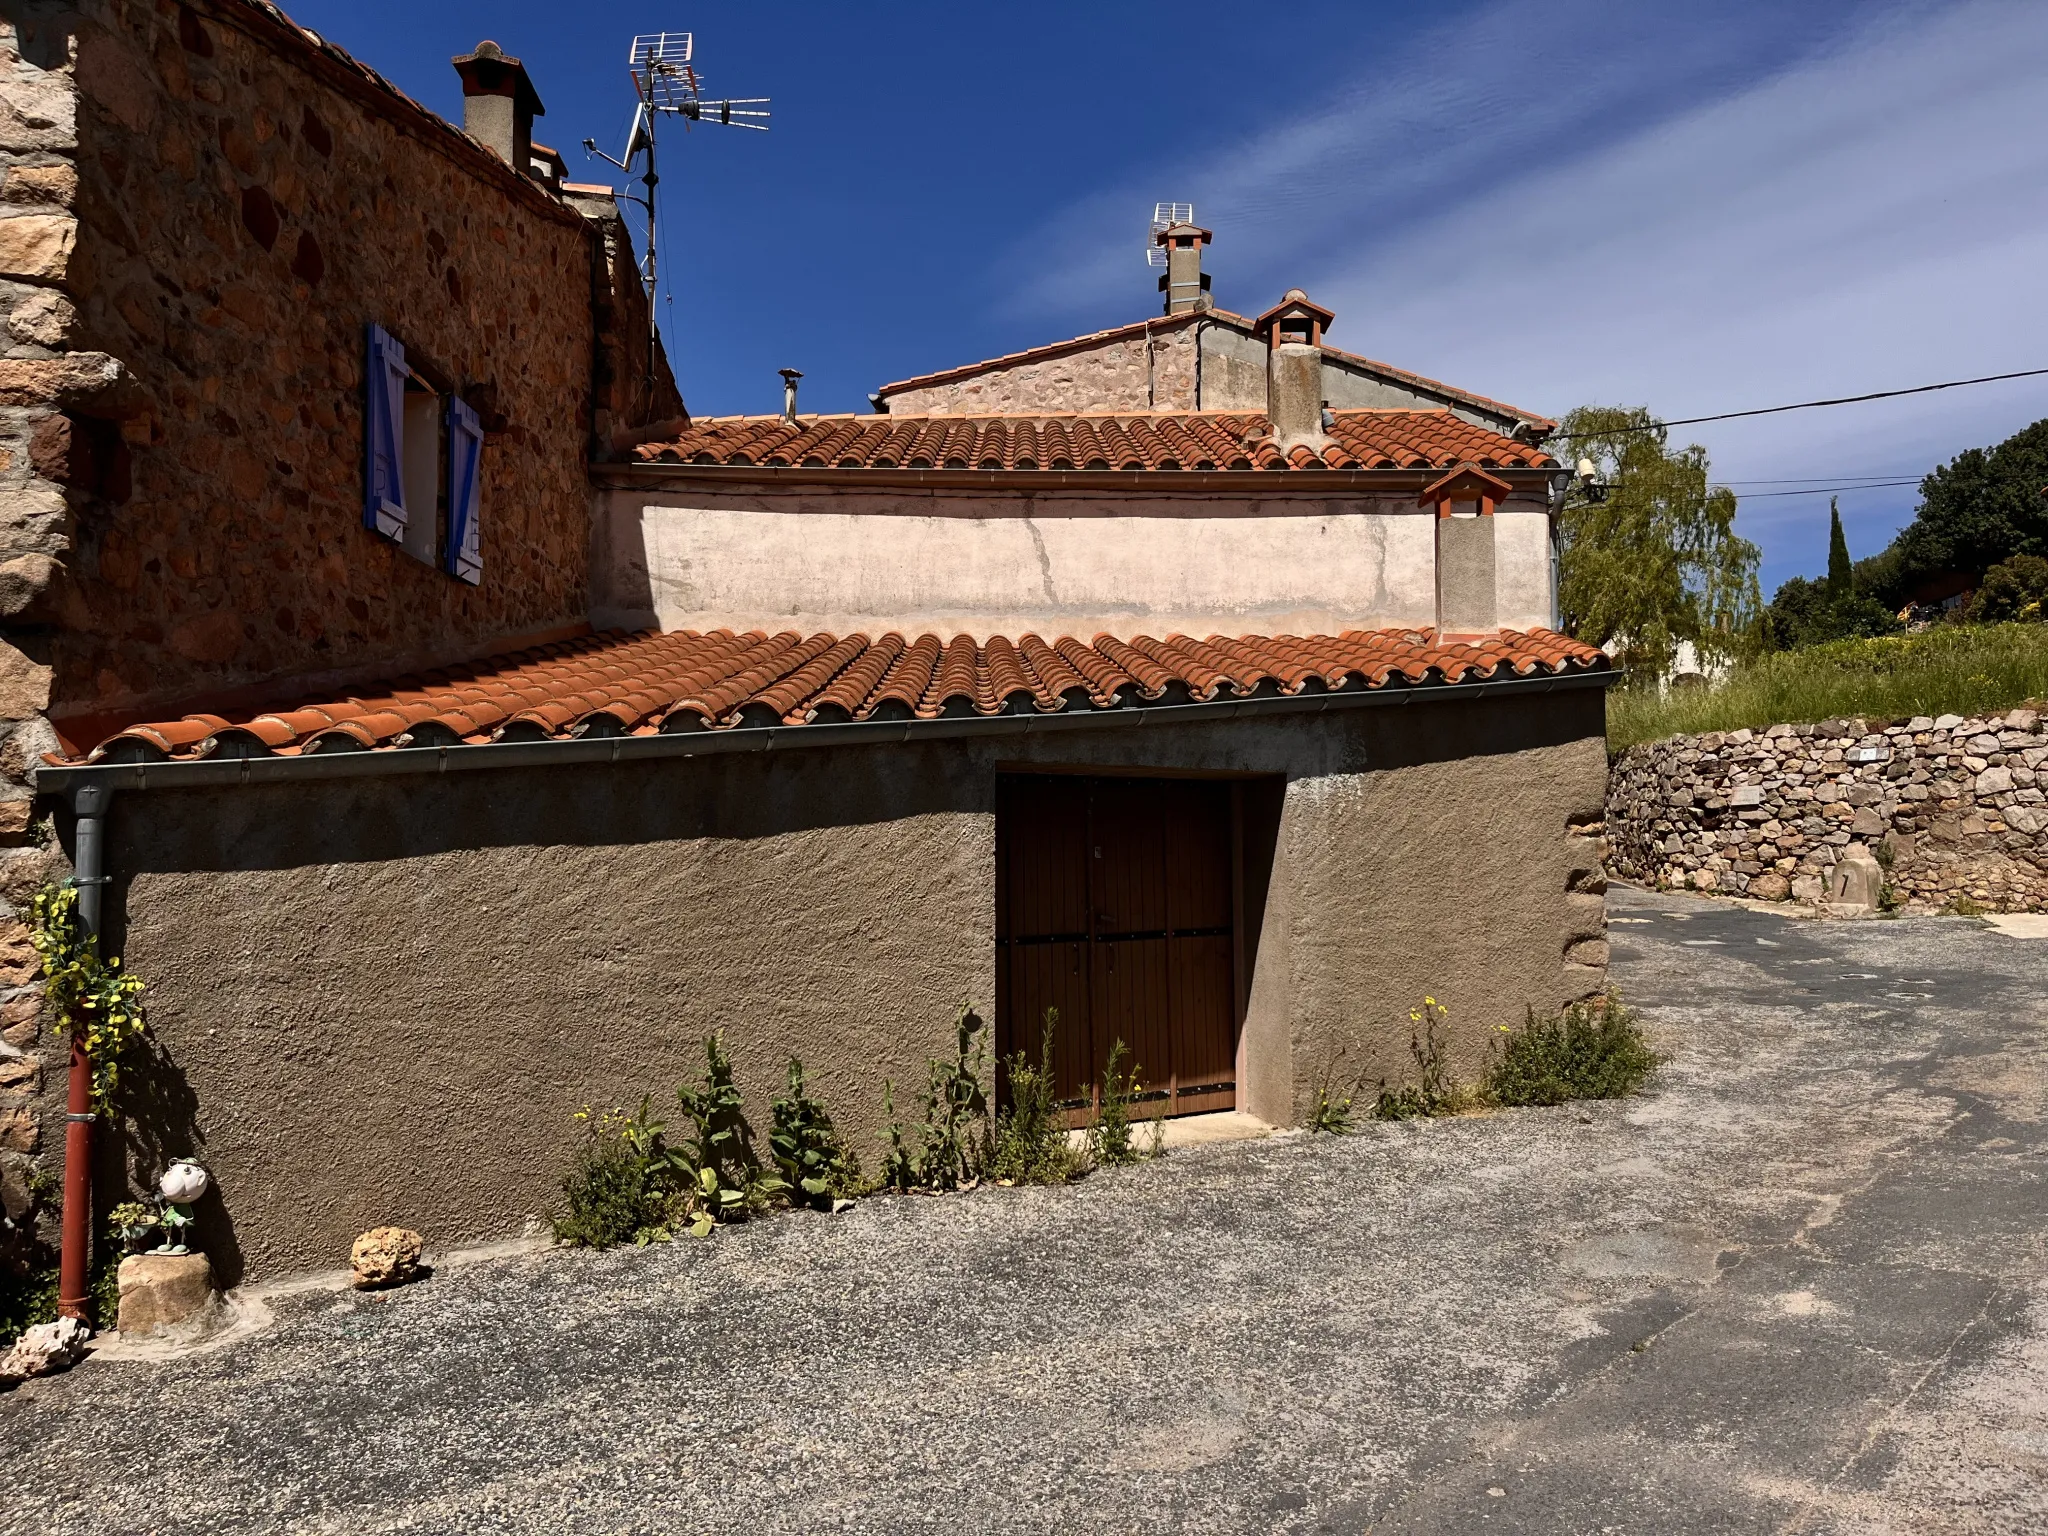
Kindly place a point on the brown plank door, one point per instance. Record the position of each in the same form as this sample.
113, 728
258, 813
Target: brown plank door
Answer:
1115, 906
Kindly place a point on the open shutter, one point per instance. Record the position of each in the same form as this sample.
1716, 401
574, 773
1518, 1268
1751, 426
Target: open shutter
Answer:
384, 424
464, 555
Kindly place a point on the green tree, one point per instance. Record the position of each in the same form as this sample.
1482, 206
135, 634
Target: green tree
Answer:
1657, 561
1806, 612
1981, 508
2014, 590
1841, 575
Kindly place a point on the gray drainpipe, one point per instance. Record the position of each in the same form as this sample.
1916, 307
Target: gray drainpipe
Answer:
89, 803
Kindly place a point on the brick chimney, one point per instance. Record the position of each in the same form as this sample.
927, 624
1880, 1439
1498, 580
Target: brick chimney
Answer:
1293, 332
499, 104
1185, 285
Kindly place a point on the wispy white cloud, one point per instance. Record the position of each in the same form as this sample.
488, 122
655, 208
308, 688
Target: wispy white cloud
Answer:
1848, 211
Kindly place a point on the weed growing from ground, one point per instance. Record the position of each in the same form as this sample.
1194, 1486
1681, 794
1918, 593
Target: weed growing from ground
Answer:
731, 1183
817, 1165
952, 1146
1592, 1050
1333, 1107
1111, 1140
1029, 1147
1432, 1092
626, 1184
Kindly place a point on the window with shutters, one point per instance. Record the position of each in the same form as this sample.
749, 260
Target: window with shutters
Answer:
423, 477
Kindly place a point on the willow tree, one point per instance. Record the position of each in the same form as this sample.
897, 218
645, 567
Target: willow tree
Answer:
1657, 560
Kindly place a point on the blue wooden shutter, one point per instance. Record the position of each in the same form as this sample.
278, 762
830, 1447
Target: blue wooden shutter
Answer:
464, 554
384, 425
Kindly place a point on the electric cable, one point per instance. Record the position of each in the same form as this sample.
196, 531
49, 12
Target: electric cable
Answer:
1806, 405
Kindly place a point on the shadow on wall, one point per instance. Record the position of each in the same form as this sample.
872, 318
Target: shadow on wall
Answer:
159, 1124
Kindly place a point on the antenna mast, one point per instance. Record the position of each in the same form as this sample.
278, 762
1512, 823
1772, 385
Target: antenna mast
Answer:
1164, 217
666, 83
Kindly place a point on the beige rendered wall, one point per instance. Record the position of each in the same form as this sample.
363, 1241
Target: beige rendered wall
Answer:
1071, 563
383, 1000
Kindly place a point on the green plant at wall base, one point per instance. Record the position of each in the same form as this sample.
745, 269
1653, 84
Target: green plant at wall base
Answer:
28, 1296
1332, 1113
952, 1146
816, 1164
899, 1163
1433, 1092
102, 1003
1029, 1147
626, 1184
133, 1224
955, 1139
1110, 1139
731, 1184
1593, 1049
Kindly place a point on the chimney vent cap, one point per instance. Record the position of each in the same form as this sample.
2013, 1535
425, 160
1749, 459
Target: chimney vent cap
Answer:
489, 70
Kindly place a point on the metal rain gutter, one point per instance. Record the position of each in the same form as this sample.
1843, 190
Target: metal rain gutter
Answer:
213, 772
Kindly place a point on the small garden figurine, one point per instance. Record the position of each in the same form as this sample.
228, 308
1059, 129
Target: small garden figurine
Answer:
183, 1182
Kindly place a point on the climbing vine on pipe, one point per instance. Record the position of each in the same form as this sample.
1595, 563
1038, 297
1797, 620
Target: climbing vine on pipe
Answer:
102, 1003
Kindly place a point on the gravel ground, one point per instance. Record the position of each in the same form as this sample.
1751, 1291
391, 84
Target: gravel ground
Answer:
1799, 1286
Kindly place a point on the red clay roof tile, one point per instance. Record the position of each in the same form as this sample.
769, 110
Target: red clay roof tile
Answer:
647, 682
1359, 439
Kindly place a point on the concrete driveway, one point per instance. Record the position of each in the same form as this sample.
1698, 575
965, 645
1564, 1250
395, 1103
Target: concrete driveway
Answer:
1800, 1286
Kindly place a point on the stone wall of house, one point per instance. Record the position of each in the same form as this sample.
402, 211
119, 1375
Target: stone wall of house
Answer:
1154, 371
201, 209
1957, 809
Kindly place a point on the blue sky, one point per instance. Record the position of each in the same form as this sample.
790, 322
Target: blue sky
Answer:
1695, 208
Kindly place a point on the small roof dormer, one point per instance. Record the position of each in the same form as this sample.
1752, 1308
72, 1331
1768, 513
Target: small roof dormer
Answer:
1295, 319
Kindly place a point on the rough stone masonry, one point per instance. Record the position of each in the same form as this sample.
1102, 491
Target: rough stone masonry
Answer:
1954, 808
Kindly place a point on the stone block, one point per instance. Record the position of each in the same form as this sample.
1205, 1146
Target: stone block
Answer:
44, 319
91, 381
19, 1129
160, 1290
20, 1075
1588, 952
385, 1256
36, 247
50, 186
1770, 887
1993, 781
1856, 881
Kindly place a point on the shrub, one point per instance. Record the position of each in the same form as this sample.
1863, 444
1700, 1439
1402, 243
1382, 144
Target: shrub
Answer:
626, 1185
2014, 591
1029, 1146
1592, 1050
1433, 1092
1111, 1140
818, 1167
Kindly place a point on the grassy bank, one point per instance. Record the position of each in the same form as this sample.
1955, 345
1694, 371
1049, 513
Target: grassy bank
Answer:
1947, 670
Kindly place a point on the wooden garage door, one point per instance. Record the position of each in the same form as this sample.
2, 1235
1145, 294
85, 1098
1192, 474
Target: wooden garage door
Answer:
1116, 905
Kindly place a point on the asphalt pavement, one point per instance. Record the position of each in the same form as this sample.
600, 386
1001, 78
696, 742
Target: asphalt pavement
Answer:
1799, 1285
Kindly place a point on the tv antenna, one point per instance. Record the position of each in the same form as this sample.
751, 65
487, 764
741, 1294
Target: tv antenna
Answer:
1164, 217
666, 84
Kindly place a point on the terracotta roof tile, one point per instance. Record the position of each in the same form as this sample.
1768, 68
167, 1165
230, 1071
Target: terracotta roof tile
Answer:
643, 683
1166, 441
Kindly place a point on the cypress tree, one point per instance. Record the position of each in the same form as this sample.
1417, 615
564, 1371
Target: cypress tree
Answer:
1841, 576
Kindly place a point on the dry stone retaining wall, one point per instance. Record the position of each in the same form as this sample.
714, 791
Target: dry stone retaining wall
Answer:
1956, 808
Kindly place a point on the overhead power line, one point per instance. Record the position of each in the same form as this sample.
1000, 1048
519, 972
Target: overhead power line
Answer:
1821, 490
1808, 405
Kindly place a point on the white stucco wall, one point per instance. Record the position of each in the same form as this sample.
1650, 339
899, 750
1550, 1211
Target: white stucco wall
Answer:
813, 557
1521, 570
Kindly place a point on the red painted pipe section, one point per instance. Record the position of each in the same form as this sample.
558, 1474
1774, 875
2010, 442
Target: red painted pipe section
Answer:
72, 1300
